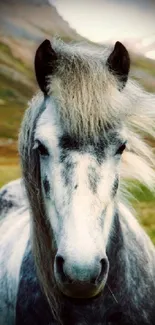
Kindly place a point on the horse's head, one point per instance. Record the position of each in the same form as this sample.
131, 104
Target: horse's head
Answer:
79, 140
79, 183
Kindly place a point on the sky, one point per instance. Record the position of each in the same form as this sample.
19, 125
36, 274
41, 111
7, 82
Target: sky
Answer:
110, 20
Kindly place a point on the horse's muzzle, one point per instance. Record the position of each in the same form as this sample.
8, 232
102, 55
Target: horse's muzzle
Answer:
81, 281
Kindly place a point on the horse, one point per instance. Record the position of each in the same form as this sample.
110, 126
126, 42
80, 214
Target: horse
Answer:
71, 249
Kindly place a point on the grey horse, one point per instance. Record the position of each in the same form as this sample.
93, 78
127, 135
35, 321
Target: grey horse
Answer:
71, 249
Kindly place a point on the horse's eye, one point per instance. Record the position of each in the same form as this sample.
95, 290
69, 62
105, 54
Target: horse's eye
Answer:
41, 149
121, 149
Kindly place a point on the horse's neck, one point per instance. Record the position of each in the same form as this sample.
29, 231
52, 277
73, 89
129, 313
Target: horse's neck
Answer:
135, 240
132, 261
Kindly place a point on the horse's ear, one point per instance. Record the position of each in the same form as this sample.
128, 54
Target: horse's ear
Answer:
44, 64
119, 63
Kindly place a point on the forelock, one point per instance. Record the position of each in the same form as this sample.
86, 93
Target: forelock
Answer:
85, 90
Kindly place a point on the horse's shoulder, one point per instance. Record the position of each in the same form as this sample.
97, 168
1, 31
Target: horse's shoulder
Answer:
32, 307
12, 197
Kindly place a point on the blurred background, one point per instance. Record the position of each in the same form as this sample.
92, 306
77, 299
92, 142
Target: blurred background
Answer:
25, 23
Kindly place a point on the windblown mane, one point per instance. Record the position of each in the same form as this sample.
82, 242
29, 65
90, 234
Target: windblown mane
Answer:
88, 99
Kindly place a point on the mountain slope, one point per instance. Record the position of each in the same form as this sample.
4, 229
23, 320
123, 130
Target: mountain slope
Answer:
33, 20
23, 25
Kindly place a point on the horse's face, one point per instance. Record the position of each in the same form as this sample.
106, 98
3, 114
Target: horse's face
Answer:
79, 184
79, 174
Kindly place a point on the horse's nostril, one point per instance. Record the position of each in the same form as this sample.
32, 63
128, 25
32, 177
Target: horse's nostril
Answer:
59, 266
102, 272
104, 269
60, 269
59, 263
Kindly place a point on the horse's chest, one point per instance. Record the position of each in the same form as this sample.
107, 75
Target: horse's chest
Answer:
32, 308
